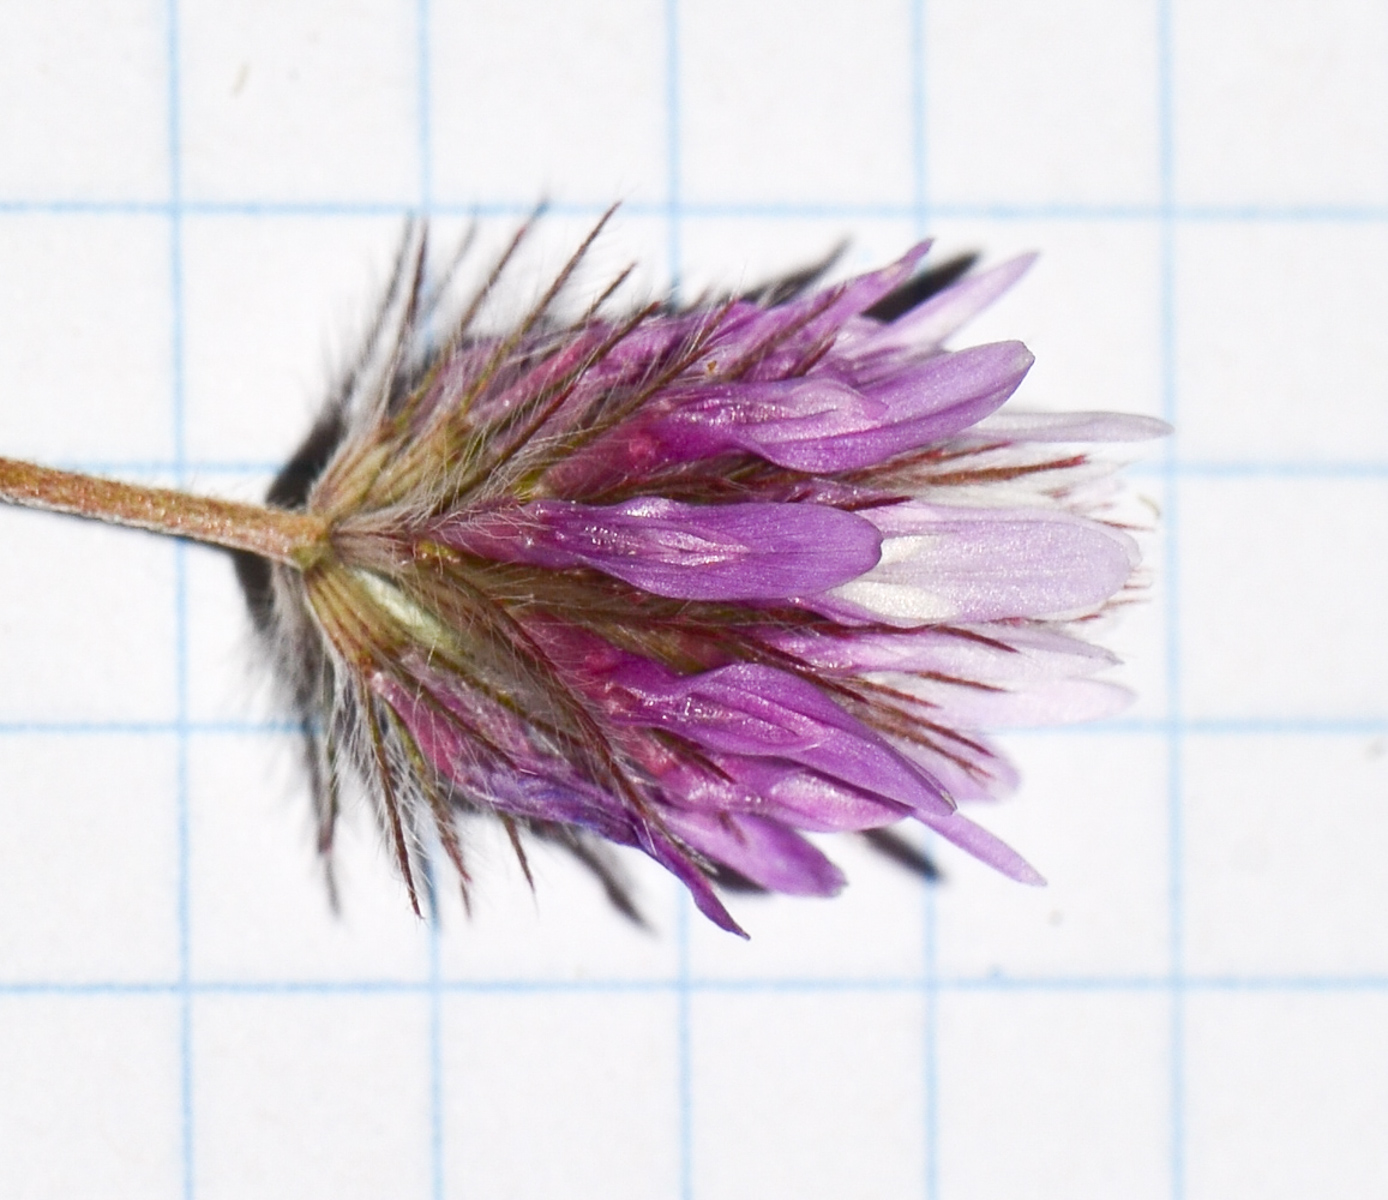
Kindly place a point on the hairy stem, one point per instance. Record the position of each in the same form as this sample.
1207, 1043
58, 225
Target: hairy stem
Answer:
294, 538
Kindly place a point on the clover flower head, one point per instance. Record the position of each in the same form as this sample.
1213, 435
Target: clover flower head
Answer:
693, 579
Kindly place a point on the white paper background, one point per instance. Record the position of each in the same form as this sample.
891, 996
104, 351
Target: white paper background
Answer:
197, 202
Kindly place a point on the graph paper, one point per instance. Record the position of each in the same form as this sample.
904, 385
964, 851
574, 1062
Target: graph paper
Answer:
197, 204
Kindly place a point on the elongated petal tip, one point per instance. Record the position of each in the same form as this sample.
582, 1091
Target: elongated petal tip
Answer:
986, 847
764, 851
943, 315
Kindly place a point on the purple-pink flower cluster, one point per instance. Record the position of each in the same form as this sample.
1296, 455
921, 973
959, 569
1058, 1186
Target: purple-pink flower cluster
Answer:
696, 580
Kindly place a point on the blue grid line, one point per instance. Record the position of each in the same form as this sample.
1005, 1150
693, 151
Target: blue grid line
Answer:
673, 212
1269, 984
930, 1073
179, 550
978, 210
434, 1035
1174, 762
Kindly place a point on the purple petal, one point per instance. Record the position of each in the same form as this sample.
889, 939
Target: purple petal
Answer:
861, 293
971, 770
655, 342
641, 353
973, 681
765, 852
821, 425
972, 564
998, 656
693, 552
985, 847
931, 323
970, 679
673, 859
1051, 702
781, 791
950, 392
769, 343
758, 711
795, 423
809, 799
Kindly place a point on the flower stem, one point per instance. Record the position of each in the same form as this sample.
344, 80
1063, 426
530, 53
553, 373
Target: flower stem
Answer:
294, 538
